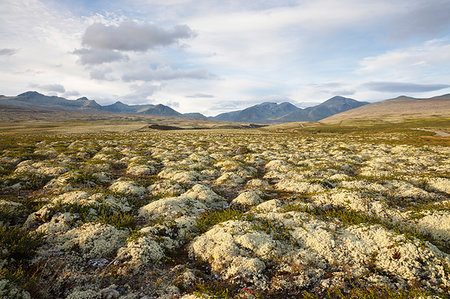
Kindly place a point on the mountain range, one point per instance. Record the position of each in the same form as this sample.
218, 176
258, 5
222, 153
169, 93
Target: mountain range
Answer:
266, 113
286, 112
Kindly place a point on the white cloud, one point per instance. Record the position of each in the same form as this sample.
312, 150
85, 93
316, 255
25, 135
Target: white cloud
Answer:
165, 73
8, 52
135, 51
403, 87
98, 56
50, 87
432, 54
200, 95
130, 36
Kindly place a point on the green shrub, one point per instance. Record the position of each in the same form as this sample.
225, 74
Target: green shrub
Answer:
210, 218
19, 244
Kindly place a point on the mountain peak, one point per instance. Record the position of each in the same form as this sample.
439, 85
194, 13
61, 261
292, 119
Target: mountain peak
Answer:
82, 99
30, 94
338, 98
119, 103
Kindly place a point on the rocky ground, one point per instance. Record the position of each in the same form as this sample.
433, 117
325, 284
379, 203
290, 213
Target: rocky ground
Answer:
223, 214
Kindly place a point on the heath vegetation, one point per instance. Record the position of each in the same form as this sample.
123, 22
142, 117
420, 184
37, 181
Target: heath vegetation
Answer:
315, 211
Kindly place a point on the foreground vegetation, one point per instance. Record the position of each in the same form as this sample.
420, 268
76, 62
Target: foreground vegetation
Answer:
317, 211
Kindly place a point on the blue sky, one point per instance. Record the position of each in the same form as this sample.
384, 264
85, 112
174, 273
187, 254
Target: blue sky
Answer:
215, 56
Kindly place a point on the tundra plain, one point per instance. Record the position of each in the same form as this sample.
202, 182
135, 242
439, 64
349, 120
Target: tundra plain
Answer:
93, 209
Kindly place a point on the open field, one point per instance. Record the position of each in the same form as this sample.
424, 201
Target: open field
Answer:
104, 209
107, 123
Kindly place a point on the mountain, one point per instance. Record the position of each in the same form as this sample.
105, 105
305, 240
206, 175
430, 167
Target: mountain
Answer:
195, 115
160, 110
119, 107
286, 112
330, 107
34, 100
261, 113
396, 109
88, 104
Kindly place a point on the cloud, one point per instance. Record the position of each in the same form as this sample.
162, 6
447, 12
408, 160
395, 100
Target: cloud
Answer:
402, 87
140, 93
50, 87
423, 18
166, 73
130, 36
8, 52
433, 53
200, 95
173, 104
344, 92
72, 93
98, 56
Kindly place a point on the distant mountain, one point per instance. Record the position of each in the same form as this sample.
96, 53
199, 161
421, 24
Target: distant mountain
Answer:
160, 110
335, 109
330, 107
88, 104
286, 112
398, 108
119, 107
33, 99
261, 113
195, 115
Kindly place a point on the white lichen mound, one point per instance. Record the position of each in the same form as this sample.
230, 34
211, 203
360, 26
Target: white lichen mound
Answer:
9, 290
437, 225
74, 197
172, 208
248, 198
141, 170
142, 251
205, 195
165, 188
83, 294
179, 175
230, 178
295, 185
92, 240
60, 222
440, 184
232, 255
127, 187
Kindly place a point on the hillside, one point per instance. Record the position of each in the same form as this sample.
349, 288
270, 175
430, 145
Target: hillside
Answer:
397, 109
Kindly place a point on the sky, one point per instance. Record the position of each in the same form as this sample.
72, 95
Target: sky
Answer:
214, 56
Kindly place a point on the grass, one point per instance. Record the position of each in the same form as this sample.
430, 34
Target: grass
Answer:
83, 179
103, 213
381, 292
345, 216
210, 218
